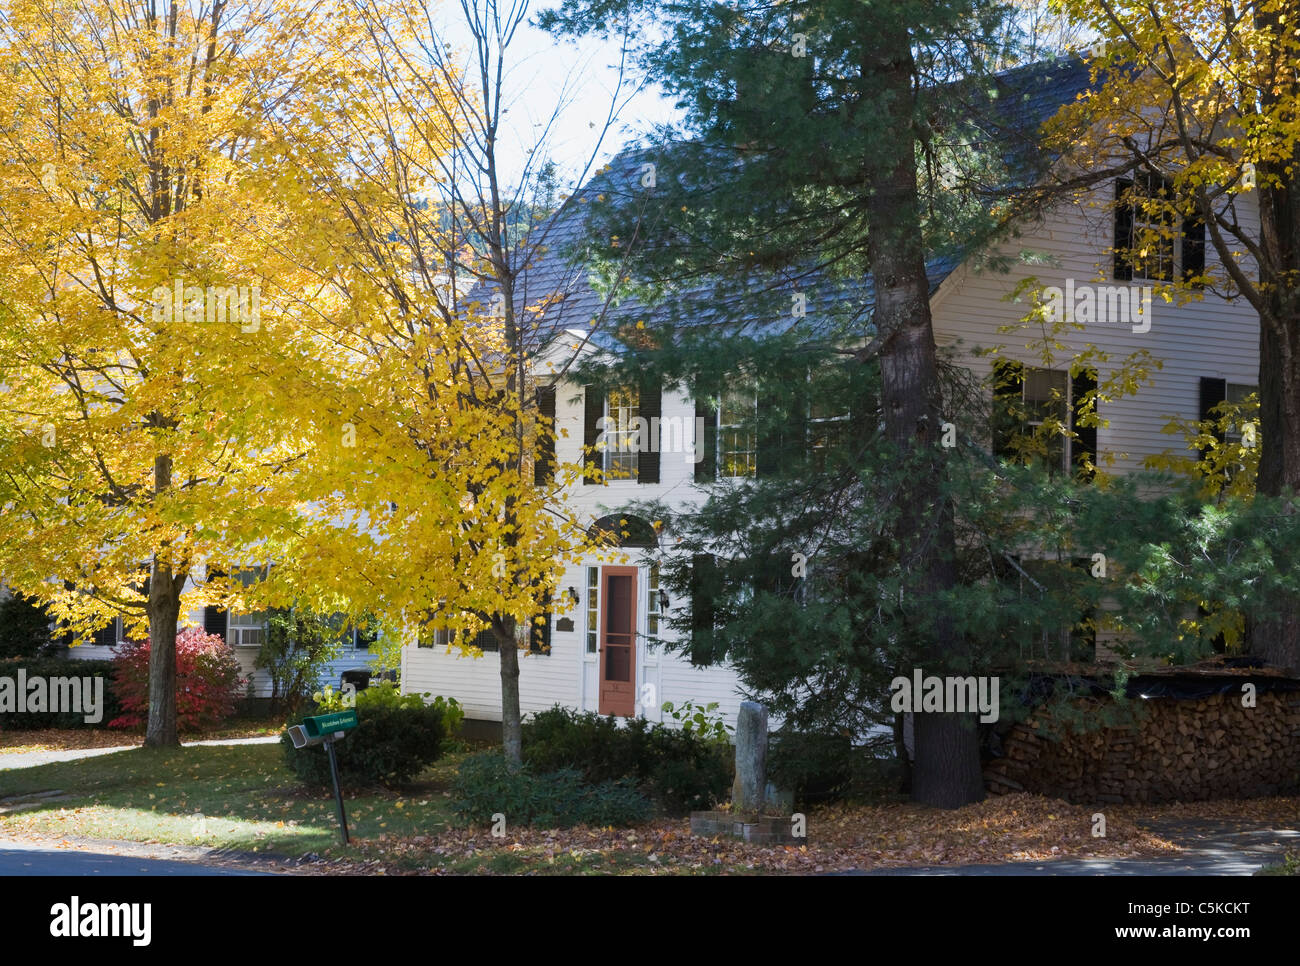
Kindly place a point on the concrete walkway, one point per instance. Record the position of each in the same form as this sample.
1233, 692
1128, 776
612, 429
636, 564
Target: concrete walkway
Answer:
33, 759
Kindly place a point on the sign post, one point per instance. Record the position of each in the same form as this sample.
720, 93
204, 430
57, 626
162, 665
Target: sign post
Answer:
326, 729
338, 794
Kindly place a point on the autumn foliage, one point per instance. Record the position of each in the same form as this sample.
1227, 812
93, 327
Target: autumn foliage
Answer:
207, 681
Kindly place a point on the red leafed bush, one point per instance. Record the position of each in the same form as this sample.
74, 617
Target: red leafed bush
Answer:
207, 681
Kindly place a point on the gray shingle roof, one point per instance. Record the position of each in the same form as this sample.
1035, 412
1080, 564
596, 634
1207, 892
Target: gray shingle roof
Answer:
560, 273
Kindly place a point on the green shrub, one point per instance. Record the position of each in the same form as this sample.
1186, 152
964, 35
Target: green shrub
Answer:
299, 645
486, 785
24, 627
817, 767
54, 667
680, 770
396, 737
386, 694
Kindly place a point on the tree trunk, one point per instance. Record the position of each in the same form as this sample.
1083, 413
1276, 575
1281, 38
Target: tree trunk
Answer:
950, 774
946, 765
164, 612
1276, 636
511, 720
900, 752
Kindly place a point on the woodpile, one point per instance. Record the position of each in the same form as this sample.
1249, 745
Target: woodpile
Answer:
1180, 750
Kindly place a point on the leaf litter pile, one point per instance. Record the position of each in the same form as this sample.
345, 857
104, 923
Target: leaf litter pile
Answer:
1011, 828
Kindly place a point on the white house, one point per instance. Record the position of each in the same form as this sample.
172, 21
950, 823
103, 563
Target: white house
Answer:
246, 634
598, 657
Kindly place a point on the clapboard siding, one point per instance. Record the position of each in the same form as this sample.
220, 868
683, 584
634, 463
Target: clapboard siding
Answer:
1206, 337
247, 657
567, 675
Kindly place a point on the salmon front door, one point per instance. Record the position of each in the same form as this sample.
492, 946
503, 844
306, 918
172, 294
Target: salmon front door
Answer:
618, 641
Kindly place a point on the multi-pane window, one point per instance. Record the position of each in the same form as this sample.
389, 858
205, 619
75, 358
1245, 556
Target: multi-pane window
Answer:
484, 640
1144, 228
652, 601
247, 629
622, 440
593, 609
1027, 399
828, 424
1046, 397
736, 436
1237, 393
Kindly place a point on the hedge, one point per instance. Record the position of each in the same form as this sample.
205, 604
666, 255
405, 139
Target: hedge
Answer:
54, 667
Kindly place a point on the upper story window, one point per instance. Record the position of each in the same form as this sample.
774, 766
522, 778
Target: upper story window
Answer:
622, 433
1152, 240
737, 441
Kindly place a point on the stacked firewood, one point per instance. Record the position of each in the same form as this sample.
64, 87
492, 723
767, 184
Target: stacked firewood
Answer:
1180, 750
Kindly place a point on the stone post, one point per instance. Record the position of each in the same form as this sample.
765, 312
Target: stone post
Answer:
751, 759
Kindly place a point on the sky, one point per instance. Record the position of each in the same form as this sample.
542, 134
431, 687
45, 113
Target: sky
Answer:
585, 73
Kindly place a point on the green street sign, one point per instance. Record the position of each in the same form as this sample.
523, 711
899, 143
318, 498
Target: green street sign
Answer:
328, 724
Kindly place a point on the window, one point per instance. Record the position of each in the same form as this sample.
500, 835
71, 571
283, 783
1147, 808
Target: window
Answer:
620, 435
593, 609
1046, 396
652, 601
247, 629
1237, 393
828, 427
536, 634
362, 639
110, 634
622, 439
484, 640
736, 436
1026, 398
1146, 227
1213, 393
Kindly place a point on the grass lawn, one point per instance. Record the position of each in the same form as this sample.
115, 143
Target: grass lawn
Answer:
239, 797
244, 798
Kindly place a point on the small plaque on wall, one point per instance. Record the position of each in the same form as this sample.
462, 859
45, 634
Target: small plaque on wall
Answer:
564, 624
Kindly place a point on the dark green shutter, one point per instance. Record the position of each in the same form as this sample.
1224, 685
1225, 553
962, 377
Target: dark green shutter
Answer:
1123, 231
1085, 444
771, 433
1008, 393
1213, 392
215, 620
544, 465
706, 469
593, 409
650, 408
107, 636
704, 588
539, 636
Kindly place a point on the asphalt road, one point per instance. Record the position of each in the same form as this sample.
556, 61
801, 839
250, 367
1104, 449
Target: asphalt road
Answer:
26, 858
